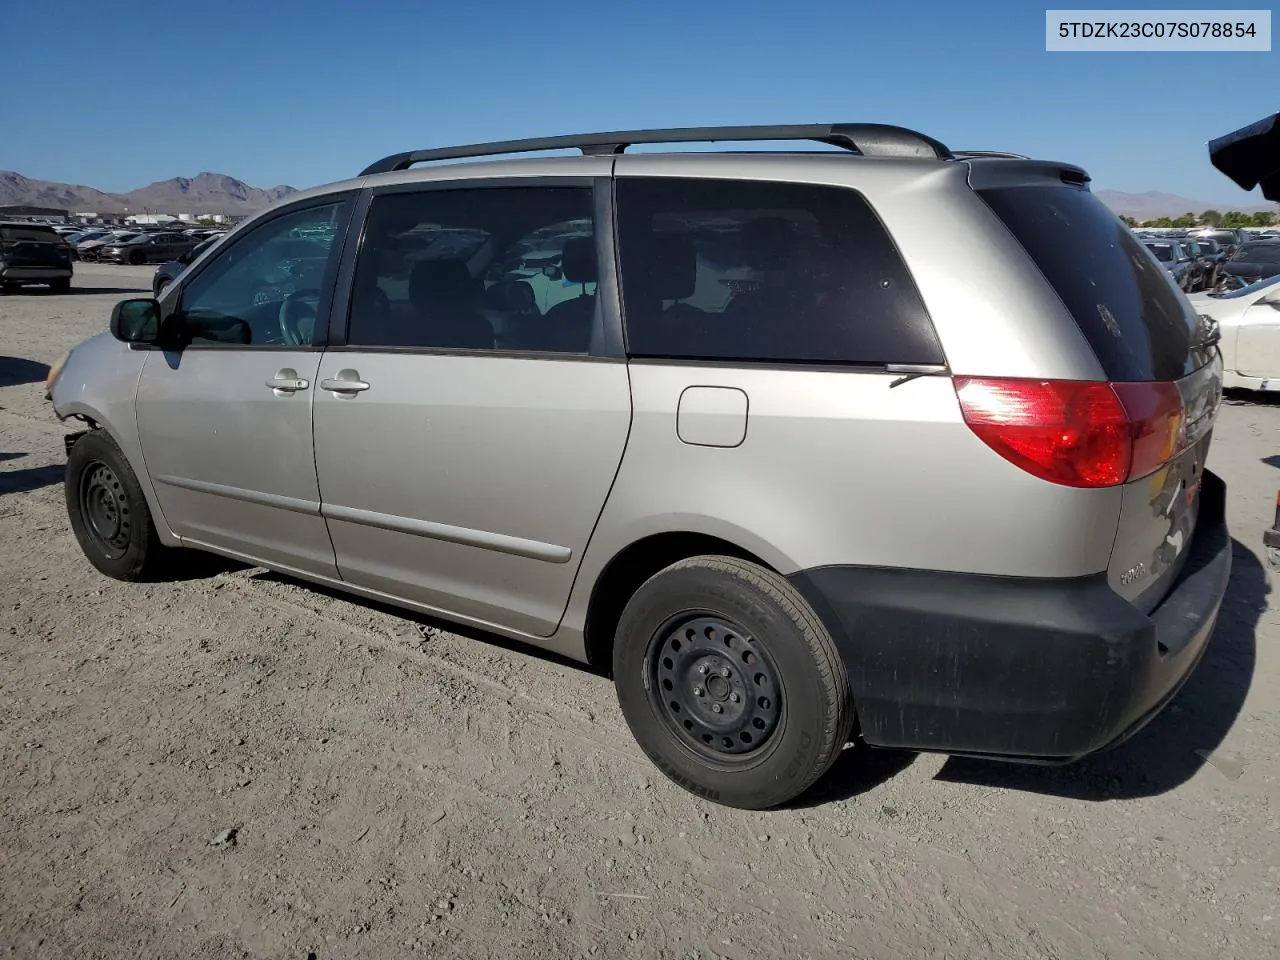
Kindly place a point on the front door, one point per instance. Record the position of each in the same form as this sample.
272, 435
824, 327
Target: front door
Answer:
226, 422
466, 435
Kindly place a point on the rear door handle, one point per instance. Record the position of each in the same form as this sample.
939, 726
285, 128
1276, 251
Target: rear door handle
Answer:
347, 382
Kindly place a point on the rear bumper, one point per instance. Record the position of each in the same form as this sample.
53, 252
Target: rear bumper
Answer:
1039, 670
35, 274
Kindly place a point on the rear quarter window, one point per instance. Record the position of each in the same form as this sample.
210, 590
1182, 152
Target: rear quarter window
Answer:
742, 270
23, 234
1138, 324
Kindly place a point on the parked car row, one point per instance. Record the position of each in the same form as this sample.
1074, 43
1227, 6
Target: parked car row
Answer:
134, 245
1200, 263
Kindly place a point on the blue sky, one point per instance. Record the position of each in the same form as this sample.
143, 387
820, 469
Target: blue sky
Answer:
117, 95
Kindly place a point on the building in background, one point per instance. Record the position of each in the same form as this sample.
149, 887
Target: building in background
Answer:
23, 211
147, 219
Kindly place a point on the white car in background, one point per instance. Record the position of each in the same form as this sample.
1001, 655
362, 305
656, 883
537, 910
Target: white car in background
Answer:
1249, 323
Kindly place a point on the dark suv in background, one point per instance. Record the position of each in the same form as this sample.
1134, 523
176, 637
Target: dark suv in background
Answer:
33, 253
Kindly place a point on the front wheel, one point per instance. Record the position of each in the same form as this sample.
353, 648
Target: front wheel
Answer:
109, 514
730, 683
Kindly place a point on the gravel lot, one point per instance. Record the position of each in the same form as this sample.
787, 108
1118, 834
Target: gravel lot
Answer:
398, 790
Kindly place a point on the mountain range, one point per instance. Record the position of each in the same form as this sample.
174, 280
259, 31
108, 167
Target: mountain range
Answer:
203, 193
1151, 205
218, 193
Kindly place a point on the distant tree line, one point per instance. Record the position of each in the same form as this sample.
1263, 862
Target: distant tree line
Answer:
1211, 218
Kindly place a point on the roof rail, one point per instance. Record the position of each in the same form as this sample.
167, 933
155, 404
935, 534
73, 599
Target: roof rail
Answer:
867, 139
980, 154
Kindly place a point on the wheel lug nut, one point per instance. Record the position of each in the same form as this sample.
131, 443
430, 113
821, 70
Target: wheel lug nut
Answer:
716, 708
703, 669
697, 691
726, 672
734, 697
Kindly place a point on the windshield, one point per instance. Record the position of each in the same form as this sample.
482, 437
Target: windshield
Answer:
1248, 291
1163, 251
1259, 253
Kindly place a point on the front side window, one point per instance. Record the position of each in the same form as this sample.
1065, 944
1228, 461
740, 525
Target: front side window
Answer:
494, 268
761, 271
1259, 253
265, 288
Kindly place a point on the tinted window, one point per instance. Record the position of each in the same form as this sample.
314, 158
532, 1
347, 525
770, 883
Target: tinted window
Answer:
1138, 324
27, 234
1259, 253
477, 269
747, 270
266, 287
1163, 251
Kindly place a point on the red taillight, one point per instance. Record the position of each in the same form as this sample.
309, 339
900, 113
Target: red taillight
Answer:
1073, 432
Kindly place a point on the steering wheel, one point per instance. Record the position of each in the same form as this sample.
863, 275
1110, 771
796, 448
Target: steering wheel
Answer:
295, 309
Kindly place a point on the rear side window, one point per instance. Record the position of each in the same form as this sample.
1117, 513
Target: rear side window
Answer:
760, 271
25, 234
1126, 306
485, 268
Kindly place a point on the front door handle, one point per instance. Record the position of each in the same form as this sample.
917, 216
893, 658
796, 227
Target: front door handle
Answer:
346, 384
287, 381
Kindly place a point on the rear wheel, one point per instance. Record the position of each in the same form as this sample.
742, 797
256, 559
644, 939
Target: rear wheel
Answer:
136, 258
730, 683
109, 514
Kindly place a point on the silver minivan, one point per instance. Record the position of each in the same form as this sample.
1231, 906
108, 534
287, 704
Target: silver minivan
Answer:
884, 442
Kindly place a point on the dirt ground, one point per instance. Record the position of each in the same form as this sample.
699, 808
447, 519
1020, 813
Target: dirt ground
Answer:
397, 790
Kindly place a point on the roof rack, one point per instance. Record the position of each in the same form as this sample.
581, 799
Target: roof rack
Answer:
866, 139
982, 154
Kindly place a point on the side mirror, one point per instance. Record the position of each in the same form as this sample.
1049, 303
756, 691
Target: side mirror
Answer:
136, 321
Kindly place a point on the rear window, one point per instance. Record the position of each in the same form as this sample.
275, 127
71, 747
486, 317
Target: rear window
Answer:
742, 270
1126, 306
27, 234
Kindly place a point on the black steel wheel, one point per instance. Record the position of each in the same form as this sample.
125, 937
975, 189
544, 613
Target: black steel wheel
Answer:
109, 513
715, 684
730, 682
106, 508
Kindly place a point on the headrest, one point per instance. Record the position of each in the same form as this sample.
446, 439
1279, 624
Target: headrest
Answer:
578, 261
445, 282
768, 242
674, 265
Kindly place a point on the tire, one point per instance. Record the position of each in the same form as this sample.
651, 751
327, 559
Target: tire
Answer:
793, 713
60, 286
136, 259
109, 514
